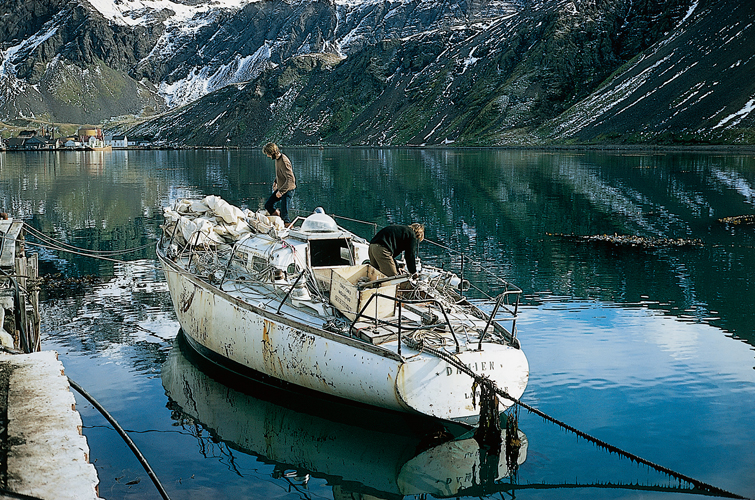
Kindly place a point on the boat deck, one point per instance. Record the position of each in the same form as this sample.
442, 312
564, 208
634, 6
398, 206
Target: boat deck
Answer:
420, 320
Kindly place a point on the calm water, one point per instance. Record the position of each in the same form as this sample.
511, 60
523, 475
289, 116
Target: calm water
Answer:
649, 349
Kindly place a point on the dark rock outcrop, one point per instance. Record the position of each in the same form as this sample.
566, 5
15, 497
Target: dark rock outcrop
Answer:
412, 73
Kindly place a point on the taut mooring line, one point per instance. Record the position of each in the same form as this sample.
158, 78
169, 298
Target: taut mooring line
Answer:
483, 380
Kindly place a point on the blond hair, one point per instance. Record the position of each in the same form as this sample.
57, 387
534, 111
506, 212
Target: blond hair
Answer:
271, 149
419, 230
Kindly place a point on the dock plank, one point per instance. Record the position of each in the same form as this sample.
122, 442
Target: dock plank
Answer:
47, 457
9, 231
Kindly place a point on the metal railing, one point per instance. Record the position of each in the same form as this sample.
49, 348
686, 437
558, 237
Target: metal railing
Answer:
399, 326
513, 309
502, 301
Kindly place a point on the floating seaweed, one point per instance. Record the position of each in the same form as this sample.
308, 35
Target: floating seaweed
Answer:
634, 241
57, 285
738, 220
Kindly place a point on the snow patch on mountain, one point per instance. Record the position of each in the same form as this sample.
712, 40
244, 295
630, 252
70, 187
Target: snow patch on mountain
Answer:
7, 68
690, 11
201, 81
135, 12
735, 118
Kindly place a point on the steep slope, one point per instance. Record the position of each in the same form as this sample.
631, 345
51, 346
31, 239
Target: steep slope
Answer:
490, 82
65, 61
697, 85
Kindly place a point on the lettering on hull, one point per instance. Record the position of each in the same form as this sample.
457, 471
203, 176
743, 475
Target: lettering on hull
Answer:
477, 367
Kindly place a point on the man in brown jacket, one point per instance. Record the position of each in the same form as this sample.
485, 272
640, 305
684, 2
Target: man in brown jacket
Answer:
284, 184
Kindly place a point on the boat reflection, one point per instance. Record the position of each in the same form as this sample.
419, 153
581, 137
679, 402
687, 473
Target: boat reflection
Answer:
356, 449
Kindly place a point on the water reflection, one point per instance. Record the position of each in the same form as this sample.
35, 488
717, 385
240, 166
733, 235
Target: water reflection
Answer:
129, 310
502, 207
356, 450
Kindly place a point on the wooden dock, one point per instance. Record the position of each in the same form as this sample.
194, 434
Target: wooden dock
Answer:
19, 290
43, 454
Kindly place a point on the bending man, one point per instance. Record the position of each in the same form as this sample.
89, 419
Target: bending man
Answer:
388, 244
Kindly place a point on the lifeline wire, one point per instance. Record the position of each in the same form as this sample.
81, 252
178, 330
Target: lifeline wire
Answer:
50, 240
482, 380
125, 437
94, 254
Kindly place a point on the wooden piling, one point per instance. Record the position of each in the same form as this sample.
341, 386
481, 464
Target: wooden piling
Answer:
19, 289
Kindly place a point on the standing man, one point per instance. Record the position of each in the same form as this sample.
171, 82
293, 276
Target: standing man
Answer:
284, 184
390, 241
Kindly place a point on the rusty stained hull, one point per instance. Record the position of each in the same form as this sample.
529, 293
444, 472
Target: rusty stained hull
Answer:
282, 348
438, 389
278, 346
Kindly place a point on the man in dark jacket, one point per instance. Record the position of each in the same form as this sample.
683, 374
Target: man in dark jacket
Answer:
388, 244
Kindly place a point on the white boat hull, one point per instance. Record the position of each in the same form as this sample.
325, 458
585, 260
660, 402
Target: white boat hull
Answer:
312, 358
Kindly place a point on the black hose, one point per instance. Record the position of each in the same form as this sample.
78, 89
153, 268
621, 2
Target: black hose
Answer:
125, 437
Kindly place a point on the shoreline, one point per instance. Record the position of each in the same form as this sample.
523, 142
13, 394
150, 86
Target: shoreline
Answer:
565, 147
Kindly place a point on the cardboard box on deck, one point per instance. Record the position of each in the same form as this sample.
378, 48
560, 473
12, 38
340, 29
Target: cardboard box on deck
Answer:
348, 299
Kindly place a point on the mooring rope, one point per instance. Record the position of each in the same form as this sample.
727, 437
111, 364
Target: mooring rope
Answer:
63, 245
450, 359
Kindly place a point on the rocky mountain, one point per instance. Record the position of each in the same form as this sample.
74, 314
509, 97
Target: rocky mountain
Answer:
386, 72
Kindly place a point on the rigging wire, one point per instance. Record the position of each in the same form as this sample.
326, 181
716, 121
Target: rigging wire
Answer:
53, 244
485, 269
50, 240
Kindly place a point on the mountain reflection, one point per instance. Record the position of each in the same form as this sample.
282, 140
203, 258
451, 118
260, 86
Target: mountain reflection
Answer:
502, 208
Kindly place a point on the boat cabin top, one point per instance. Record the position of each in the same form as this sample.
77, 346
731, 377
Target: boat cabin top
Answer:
316, 242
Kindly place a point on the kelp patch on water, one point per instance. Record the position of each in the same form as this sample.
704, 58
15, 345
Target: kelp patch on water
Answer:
58, 285
738, 220
622, 240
